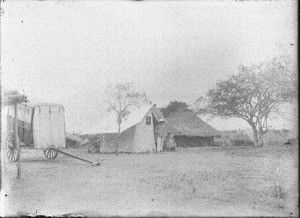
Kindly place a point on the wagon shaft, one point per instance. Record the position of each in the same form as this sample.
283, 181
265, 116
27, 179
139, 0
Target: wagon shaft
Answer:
94, 163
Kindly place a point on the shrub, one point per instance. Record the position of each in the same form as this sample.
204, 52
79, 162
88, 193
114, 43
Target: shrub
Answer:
241, 142
278, 192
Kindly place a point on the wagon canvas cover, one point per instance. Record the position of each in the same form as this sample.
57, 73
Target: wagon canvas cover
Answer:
49, 126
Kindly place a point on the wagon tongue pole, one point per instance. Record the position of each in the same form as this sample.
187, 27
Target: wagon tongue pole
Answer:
94, 163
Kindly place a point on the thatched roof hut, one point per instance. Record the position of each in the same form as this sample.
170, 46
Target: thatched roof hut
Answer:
189, 123
191, 130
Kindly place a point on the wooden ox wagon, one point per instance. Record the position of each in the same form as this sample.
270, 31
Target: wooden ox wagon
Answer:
40, 126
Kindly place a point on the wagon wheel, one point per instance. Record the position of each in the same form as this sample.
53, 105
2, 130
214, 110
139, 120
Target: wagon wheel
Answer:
50, 153
12, 152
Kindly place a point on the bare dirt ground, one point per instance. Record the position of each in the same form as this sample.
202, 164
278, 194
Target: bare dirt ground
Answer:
188, 182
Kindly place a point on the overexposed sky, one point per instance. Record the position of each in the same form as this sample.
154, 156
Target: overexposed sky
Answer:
68, 51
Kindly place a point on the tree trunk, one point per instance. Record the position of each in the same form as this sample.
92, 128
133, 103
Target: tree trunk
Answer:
17, 142
261, 139
102, 142
118, 138
255, 135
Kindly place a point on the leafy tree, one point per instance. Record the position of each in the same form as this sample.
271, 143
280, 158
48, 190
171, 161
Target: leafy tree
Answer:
255, 94
12, 98
121, 98
175, 106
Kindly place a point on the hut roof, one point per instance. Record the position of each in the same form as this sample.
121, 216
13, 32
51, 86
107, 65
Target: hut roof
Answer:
188, 123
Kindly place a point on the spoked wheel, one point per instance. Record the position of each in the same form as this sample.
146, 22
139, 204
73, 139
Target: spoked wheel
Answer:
50, 153
12, 152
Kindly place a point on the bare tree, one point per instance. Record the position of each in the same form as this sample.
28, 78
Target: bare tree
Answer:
254, 94
121, 98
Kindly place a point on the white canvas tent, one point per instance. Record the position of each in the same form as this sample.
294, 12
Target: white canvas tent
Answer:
108, 124
137, 132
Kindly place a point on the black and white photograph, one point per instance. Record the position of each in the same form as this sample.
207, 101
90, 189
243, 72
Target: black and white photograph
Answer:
149, 108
